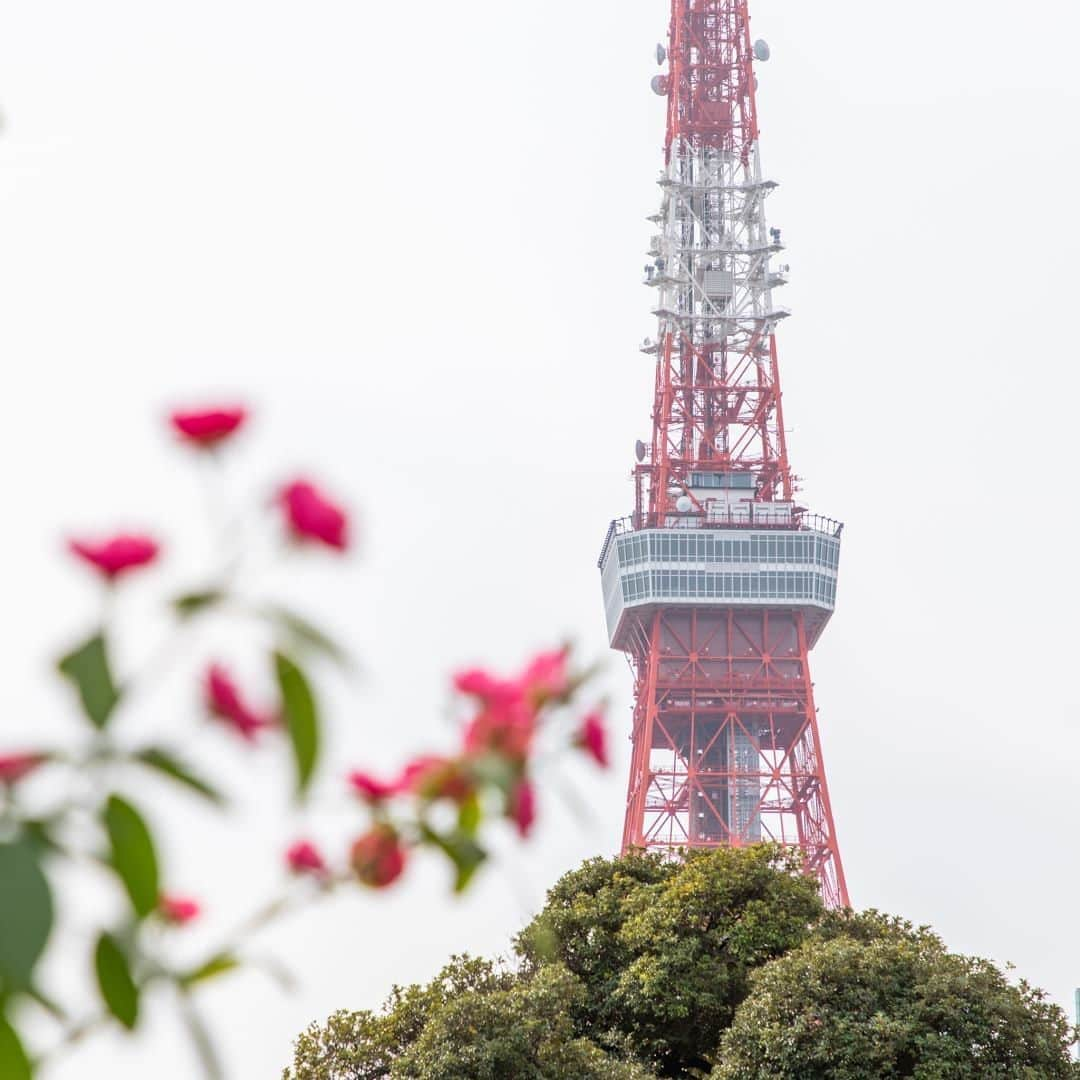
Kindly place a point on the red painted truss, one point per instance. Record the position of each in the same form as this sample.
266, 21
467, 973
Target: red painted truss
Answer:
726, 746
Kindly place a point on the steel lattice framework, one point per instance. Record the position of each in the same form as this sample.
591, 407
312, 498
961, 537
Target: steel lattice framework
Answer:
720, 583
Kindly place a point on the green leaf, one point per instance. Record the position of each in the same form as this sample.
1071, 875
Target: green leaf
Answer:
26, 914
192, 603
495, 769
87, 668
301, 719
133, 855
306, 635
14, 1064
118, 989
38, 833
462, 850
215, 966
469, 816
164, 761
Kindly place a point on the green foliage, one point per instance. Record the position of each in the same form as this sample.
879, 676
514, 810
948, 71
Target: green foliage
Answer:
168, 764
14, 1064
725, 966
194, 603
87, 669
860, 1007
364, 1045
26, 914
724, 914
581, 924
303, 634
132, 854
460, 848
117, 987
526, 1032
218, 964
301, 719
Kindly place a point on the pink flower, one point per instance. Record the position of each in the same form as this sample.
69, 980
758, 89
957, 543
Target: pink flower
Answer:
117, 555
311, 516
378, 857
592, 738
224, 701
305, 858
206, 428
487, 687
502, 729
521, 806
371, 789
546, 675
178, 910
434, 777
13, 767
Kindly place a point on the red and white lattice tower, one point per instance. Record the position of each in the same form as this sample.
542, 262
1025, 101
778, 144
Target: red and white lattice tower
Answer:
721, 582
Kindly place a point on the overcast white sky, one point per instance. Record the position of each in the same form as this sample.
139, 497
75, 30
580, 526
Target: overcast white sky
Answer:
412, 236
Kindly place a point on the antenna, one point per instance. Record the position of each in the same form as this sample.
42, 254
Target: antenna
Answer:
762, 51
639, 450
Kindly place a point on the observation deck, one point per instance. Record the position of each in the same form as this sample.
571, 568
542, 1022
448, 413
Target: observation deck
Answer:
721, 560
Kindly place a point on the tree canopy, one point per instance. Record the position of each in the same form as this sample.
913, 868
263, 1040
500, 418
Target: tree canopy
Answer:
724, 965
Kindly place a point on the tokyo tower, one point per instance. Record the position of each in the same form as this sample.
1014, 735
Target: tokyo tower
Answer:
720, 583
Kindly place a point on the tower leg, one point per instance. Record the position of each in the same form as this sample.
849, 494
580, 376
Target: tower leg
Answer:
726, 744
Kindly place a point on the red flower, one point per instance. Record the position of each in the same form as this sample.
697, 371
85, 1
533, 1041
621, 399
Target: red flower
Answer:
506, 730
487, 687
116, 556
378, 857
178, 910
311, 516
207, 427
546, 676
305, 858
521, 806
434, 777
592, 738
224, 701
371, 789
13, 767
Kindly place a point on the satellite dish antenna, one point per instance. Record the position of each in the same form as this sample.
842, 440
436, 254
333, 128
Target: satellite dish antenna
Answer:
659, 85
684, 504
661, 54
639, 450
762, 51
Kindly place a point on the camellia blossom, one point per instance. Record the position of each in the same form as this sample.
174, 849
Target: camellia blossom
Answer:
378, 857
312, 516
117, 555
224, 701
206, 428
371, 789
304, 857
521, 806
592, 738
13, 767
178, 910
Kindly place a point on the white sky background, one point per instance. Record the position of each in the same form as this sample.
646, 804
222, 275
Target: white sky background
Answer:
412, 236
